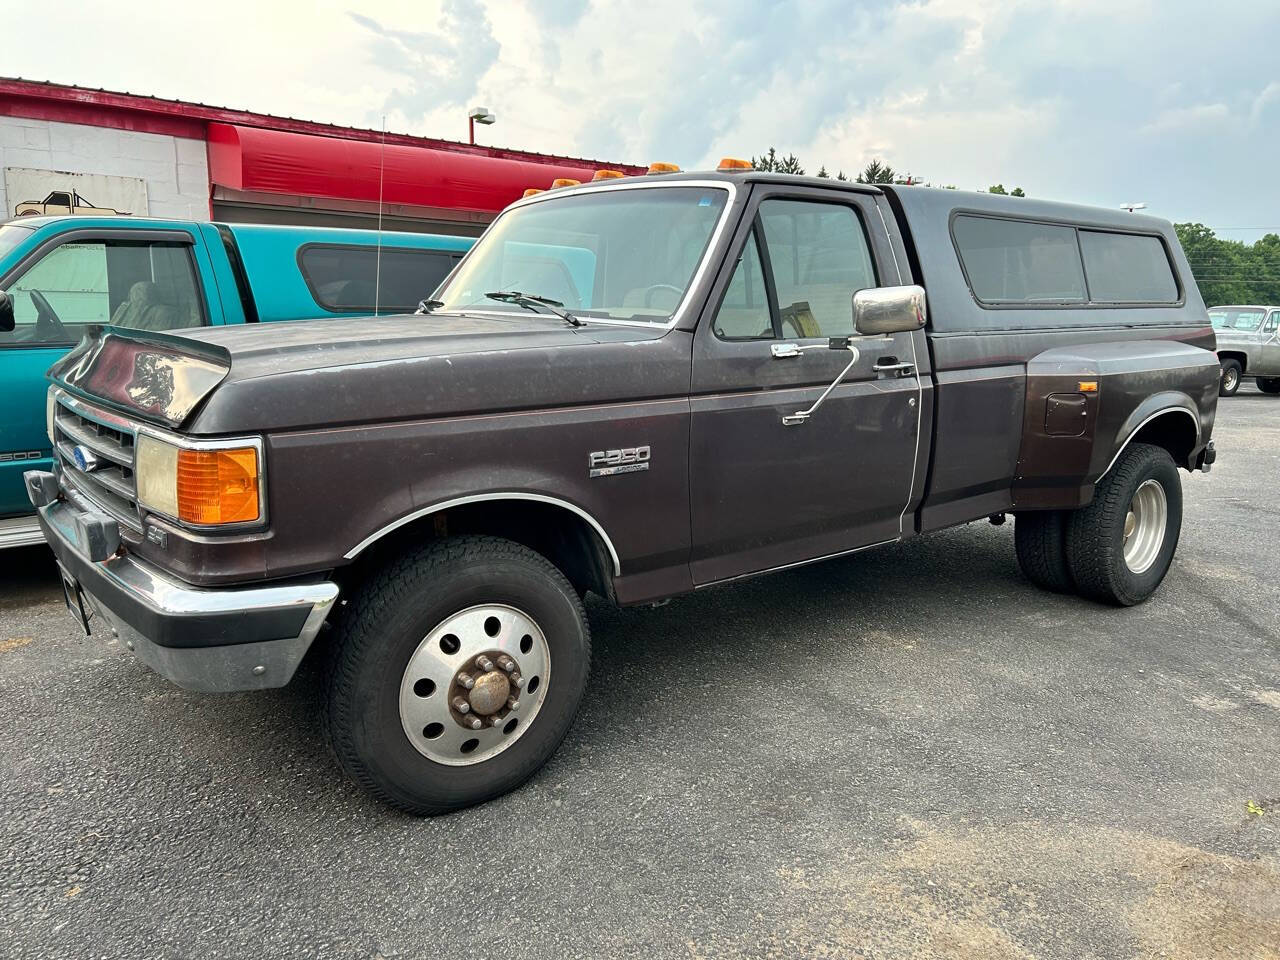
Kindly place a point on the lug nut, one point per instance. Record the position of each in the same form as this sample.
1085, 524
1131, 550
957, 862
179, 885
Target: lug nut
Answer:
461, 705
496, 721
515, 680
475, 723
484, 663
466, 681
512, 703
507, 664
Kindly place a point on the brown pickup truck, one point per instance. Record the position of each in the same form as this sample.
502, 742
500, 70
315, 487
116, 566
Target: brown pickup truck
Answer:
636, 387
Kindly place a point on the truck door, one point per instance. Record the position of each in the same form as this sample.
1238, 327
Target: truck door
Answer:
765, 494
144, 279
1269, 365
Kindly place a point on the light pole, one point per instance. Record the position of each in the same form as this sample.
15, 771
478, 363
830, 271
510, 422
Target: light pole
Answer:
478, 115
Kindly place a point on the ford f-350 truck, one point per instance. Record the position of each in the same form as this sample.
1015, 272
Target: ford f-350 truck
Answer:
637, 387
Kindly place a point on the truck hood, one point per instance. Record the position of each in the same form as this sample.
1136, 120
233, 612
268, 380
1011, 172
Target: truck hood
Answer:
297, 374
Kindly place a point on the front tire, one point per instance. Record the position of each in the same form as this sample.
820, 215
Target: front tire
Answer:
1230, 382
1269, 384
1040, 541
413, 716
1121, 545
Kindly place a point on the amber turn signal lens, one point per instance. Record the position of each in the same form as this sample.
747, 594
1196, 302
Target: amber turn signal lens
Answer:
664, 168
608, 175
218, 486
1087, 386
564, 182
733, 163
531, 192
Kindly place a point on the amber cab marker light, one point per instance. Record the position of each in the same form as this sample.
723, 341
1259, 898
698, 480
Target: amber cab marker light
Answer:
664, 168
218, 486
564, 182
729, 164
1087, 386
608, 175
532, 191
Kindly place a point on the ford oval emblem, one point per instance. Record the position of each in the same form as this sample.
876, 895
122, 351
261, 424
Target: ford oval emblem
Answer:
85, 458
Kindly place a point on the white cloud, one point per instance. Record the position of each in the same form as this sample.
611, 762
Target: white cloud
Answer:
1095, 100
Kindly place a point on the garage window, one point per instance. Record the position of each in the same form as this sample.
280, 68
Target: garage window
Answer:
343, 279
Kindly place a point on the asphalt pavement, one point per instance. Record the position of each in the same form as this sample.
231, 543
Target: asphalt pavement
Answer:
910, 752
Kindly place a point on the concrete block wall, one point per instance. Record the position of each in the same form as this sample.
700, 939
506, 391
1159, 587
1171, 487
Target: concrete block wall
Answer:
175, 169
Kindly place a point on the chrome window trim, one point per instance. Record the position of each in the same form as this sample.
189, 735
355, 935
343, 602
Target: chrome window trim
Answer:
1134, 432
138, 429
609, 185
480, 498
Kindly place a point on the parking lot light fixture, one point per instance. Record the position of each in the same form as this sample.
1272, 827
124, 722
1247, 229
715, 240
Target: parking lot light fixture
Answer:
478, 115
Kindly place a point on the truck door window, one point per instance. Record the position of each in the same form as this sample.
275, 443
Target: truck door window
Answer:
140, 286
343, 277
744, 311
819, 257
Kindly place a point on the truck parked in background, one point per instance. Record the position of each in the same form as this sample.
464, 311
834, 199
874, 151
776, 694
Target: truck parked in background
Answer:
60, 276
1248, 346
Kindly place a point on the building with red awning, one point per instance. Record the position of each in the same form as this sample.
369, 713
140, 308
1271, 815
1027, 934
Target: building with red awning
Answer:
146, 156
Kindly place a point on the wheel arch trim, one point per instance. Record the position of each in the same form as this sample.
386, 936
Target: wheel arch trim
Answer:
1163, 411
480, 498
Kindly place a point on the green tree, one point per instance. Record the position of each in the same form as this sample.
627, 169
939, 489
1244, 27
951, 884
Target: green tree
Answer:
1228, 271
822, 172
999, 188
876, 172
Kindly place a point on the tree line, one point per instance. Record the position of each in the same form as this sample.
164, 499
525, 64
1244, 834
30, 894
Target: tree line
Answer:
1227, 271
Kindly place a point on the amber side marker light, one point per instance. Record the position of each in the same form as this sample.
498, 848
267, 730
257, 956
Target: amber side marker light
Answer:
664, 168
218, 486
729, 164
608, 175
532, 191
564, 182
1087, 386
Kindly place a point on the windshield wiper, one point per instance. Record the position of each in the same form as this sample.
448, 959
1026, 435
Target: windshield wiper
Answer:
426, 306
532, 301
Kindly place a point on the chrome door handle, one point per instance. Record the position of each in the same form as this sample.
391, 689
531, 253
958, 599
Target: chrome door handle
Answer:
782, 350
903, 369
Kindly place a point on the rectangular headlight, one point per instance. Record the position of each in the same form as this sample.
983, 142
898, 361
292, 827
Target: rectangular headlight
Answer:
199, 486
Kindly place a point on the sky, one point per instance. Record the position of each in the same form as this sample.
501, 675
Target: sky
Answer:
1168, 102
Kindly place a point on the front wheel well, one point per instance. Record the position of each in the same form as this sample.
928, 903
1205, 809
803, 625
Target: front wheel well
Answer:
564, 537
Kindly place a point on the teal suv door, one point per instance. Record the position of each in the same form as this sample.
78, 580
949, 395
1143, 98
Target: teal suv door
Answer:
135, 279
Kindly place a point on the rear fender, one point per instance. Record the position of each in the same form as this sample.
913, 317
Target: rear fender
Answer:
1085, 404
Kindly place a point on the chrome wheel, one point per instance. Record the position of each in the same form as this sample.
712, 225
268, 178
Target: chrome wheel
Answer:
1230, 379
1144, 526
474, 684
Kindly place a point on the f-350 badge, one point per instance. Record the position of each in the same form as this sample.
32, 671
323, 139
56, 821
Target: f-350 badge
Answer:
605, 463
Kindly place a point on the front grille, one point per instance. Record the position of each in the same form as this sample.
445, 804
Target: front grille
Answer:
111, 440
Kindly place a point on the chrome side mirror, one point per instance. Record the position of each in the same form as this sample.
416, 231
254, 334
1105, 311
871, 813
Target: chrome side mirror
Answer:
882, 310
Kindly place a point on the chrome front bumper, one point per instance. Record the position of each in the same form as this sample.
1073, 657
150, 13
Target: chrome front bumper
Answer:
213, 640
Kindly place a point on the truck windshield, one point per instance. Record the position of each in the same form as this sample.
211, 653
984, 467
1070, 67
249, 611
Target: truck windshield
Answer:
1226, 319
10, 236
621, 254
